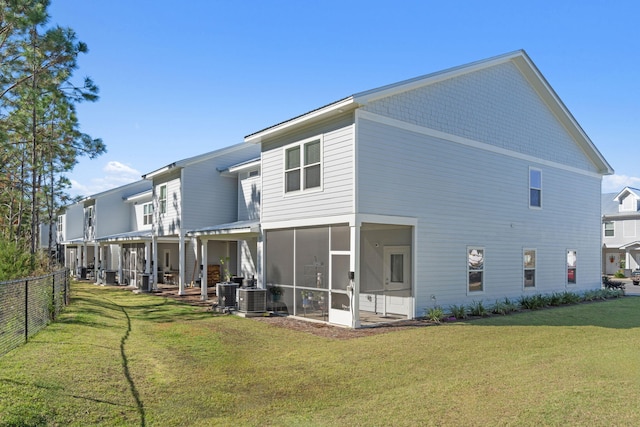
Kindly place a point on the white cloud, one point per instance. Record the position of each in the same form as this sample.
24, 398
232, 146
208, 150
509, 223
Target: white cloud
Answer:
615, 183
115, 175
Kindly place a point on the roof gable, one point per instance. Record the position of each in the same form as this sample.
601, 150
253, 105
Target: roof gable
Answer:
577, 145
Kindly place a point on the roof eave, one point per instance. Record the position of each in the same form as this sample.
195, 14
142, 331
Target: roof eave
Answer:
338, 107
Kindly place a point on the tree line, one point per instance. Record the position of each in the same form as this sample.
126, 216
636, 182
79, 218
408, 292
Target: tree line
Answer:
39, 130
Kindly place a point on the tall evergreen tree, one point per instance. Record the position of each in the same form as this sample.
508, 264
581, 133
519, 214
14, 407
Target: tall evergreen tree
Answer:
39, 128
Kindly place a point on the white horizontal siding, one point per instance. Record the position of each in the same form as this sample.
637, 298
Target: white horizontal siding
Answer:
466, 196
336, 196
210, 197
169, 222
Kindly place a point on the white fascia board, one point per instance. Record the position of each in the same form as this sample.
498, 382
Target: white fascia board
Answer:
159, 172
310, 222
553, 101
626, 190
335, 108
140, 196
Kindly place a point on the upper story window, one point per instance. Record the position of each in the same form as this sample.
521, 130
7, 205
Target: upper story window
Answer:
609, 229
147, 217
59, 224
90, 216
162, 199
303, 166
535, 188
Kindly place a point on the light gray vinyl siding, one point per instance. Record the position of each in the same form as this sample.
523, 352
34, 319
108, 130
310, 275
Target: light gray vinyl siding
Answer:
249, 190
464, 196
169, 223
210, 197
475, 105
336, 196
73, 222
112, 214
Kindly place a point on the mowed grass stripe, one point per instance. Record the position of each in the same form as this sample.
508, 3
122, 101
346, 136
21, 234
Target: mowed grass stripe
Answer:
572, 365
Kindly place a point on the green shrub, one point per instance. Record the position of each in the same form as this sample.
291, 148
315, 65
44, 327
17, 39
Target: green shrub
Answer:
435, 314
555, 299
14, 263
570, 298
619, 274
458, 311
476, 308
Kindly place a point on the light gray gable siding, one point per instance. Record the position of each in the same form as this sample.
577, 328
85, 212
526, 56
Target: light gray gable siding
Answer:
336, 197
211, 197
465, 196
475, 105
249, 194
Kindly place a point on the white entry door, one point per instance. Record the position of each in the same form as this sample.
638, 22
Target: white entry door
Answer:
397, 280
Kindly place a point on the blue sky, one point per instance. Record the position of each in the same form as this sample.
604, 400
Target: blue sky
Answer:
178, 79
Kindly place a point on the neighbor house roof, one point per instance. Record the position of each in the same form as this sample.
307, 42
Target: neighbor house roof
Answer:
519, 58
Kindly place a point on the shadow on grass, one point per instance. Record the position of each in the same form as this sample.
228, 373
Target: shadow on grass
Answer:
59, 390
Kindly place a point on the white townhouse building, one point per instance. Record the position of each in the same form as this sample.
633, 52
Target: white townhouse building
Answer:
621, 231
443, 189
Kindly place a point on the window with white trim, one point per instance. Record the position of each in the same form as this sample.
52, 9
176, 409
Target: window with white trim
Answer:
529, 265
303, 166
609, 229
147, 215
475, 269
59, 224
571, 267
535, 188
162, 200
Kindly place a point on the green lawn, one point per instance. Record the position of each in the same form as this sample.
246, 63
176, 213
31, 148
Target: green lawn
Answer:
116, 358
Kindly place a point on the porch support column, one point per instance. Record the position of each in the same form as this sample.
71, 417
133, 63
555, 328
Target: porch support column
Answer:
204, 263
354, 265
154, 262
260, 261
181, 263
96, 261
120, 263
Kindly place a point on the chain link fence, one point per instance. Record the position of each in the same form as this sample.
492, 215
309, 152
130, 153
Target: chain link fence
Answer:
28, 305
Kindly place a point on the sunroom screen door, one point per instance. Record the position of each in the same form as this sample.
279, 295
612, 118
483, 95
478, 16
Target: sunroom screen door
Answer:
397, 280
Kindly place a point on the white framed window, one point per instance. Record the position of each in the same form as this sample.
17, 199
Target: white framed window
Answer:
529, 267
147, 214
572, 257
59, 224
162, 199
90, 216
303, 166
609, 229
475, 269
535, 188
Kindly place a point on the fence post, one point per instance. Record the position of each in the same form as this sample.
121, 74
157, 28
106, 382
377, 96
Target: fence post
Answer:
53, 297
26, 310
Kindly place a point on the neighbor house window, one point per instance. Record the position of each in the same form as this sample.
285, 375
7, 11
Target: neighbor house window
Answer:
303, 166
475, 269
162, 200
147, 217
571, 266
535, 188
608, 229
529, 262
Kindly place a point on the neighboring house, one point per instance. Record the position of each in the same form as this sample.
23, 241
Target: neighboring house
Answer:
194, 194
621, 231
471, 184
70, 236
128, 253
83, 227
